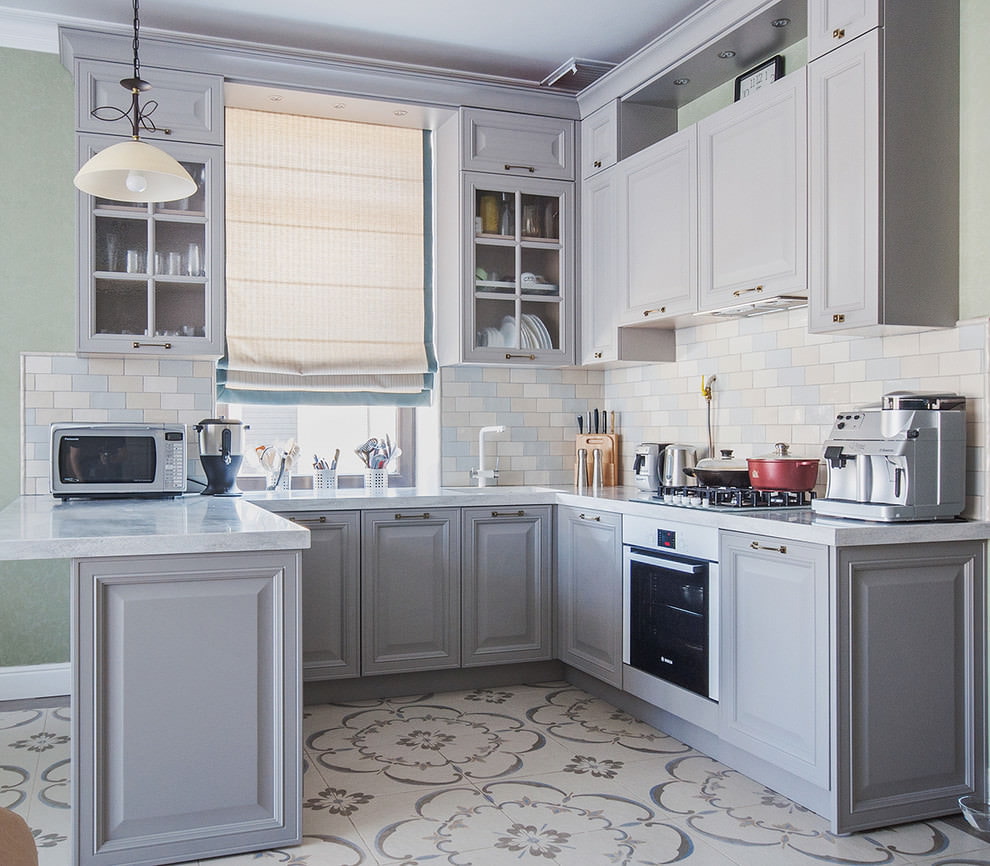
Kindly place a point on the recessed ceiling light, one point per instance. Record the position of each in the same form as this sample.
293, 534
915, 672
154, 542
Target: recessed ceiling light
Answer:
400, 112
340, 105
680, 82
275, 98
780, 22
725, 55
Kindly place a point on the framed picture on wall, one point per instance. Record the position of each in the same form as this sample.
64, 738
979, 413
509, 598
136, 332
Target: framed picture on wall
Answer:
759, 76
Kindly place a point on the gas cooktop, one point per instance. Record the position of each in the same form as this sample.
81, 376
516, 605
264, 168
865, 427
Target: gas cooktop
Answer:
732, 498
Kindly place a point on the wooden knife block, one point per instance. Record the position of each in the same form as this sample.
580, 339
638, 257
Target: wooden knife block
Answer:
609, 445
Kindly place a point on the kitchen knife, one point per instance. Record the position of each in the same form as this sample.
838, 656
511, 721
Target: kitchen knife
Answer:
580, 424
596, 421
604, 421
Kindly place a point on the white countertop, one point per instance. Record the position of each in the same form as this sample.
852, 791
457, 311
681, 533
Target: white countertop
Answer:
794, 524
41, 527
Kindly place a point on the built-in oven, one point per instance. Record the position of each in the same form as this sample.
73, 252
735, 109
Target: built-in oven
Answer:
670, 602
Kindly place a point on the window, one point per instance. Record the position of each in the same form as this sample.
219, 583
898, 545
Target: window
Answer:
329, 287
329, 277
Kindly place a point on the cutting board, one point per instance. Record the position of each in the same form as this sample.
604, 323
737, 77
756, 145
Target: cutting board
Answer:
609, 445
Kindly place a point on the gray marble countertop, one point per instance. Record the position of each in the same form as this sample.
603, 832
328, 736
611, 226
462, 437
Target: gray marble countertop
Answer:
41, 527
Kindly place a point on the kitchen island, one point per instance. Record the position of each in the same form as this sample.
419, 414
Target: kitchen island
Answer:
184, 615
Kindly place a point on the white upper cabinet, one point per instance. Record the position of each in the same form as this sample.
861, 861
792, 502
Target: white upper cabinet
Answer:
657, 240
517, 144
752, 171
884, 174
600, 139
190, 104
832, 23
598, 268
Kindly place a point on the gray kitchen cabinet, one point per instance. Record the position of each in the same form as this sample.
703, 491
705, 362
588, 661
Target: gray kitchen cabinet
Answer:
331, 594
186, 707
190, 104
774, 681
506, 574
832, 23
910, 674
619, 129
752, 202
503, 142
589, 592
151, 274
884, 174
410, 590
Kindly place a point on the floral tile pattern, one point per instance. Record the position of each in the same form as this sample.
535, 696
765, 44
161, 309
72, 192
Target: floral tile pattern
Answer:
533, 774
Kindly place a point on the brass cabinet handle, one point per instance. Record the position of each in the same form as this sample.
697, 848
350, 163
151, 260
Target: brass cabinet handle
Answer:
598, 163
138, 345
739, 292
839, 317
321, 519
519, 513
527, 357
424, 516
598, 354
528, 168
757, 546
657, 310
597, 517
838, 33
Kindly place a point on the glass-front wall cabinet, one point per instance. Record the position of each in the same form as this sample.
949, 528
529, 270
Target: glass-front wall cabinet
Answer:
519, 268
150, 268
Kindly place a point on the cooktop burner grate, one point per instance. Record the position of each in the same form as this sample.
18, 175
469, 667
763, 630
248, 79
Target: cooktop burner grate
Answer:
732, 497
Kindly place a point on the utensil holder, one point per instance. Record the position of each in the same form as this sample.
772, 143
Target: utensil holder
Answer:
284, 483
376, 480
324, 479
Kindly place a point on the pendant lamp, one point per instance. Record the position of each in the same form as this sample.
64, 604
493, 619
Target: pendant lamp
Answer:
133, 170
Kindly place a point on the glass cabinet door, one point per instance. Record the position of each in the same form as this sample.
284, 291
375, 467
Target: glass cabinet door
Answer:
519, 275
146, 268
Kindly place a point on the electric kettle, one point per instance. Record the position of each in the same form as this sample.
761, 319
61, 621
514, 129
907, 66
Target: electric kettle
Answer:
677, 458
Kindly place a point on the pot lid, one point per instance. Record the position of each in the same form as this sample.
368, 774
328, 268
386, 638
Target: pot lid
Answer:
724, 463
781, 451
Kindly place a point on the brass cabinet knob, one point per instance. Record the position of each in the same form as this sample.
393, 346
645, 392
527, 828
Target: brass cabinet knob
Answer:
838, 33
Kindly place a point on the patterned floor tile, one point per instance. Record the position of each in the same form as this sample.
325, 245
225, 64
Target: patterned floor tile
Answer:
570, 715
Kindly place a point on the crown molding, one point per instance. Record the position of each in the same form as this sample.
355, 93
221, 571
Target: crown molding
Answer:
29, 31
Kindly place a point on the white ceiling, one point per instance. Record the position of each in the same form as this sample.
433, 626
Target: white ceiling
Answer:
511, 39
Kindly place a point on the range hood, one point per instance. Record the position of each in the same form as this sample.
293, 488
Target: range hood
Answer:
758, 307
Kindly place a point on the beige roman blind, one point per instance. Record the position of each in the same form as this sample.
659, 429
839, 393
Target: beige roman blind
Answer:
328, 278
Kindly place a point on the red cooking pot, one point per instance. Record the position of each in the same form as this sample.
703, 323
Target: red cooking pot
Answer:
780, 471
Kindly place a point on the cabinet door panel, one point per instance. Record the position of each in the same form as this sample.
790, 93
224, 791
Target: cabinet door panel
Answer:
600, 297
505, 585
911, 627
331, 586
774, 686
589, 592
753, 196
832, 23
190, 105
410, 591
168, 650
844, 273
600, 139
658, 252
507, 143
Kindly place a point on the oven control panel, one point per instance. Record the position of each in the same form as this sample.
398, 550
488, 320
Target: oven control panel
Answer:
686, 539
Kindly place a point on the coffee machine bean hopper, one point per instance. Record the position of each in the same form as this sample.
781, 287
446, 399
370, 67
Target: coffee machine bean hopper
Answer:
221, 451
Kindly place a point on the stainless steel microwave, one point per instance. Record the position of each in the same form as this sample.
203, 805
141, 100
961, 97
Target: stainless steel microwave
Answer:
122, 460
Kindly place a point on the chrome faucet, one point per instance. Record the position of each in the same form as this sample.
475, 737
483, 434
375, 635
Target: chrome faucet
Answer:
484, 475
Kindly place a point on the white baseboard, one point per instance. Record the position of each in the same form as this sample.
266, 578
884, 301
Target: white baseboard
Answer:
35, 681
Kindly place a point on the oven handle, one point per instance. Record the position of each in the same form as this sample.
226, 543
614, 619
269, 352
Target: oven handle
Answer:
648, 558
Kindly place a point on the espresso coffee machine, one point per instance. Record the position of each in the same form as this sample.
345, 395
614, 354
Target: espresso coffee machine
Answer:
221, 451
902, 460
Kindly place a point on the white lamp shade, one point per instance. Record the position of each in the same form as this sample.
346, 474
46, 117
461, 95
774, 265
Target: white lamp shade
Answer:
135, 171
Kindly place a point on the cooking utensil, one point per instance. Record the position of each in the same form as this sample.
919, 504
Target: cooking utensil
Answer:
596, 421
781, 471
724, 471
580, 424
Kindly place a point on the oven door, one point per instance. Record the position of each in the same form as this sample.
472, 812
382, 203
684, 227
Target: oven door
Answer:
670, 619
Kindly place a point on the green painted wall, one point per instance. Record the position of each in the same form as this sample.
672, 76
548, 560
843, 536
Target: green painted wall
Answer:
37, 277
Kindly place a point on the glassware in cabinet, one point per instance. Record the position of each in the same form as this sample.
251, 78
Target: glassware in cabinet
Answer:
150, 270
